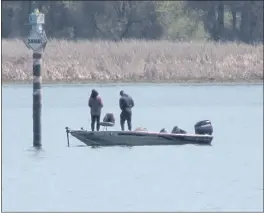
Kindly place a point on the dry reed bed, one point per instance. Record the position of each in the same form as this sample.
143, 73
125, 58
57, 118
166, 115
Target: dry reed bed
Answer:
135, 61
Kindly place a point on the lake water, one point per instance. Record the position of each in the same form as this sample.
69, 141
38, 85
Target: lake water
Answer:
227, 176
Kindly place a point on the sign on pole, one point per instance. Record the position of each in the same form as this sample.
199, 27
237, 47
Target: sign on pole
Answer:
35, 40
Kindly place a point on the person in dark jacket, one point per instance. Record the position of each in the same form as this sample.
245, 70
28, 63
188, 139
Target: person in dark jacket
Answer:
126, 103
95, 103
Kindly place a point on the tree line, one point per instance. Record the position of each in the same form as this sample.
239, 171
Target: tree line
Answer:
117, 20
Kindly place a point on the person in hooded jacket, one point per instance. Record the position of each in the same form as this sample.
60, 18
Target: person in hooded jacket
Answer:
95, 103
126, 103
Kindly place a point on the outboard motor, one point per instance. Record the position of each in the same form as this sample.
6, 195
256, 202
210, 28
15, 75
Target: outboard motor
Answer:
177, 130
203, 127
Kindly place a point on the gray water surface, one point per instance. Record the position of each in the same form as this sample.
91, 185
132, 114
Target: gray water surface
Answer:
228, 176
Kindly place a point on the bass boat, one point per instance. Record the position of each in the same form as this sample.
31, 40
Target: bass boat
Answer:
141, 137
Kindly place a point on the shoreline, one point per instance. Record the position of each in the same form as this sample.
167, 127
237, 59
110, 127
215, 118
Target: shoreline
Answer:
186, 82
134, 61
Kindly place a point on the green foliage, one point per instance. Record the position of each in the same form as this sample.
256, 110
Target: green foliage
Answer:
117, 20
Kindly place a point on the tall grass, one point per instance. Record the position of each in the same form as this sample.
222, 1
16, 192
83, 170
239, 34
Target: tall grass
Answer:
135, 61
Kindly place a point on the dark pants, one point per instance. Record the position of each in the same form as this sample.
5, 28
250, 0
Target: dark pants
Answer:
126, 116
95, 118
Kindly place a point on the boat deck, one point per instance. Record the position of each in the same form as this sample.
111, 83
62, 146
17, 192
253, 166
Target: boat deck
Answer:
138, 138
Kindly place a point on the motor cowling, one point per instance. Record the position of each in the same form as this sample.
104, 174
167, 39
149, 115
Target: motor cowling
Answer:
203, 127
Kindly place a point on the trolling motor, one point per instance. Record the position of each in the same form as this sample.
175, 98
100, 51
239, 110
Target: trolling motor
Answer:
67, 132
95, 145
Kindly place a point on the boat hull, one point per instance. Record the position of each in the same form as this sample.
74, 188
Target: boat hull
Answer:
123, 138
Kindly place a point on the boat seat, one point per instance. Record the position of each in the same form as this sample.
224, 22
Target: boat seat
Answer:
177, 130
108, 121
106, 124
163, 130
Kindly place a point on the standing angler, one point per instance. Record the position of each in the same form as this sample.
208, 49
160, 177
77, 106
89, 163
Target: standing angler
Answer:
126, 103
95, 103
